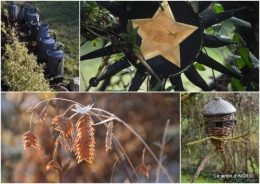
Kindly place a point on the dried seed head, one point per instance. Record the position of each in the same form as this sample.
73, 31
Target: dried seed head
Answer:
84, 142
65, 126
144, 169
109, 135
53, 164
29, 139
42, 115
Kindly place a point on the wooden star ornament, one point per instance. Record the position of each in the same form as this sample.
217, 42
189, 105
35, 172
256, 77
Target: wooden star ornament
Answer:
162, 35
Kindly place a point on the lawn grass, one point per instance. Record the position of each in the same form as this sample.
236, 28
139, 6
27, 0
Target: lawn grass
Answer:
185, 178
63, 19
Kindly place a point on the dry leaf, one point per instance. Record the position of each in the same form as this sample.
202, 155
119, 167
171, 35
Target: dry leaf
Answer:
109, 135
84, 142
65, 126
144, 170
53, 164
142, 167
29, 139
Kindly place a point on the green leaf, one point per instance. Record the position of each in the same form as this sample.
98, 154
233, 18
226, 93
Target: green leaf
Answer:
84, 4
157, 86
118, 56
136, 49
240, 22
125, 36
224, 39
95, 43
238, 39
216, 27
239, 61
133, 35
253, 59
199, 67
236, 71
244, 53
209, 29
218, 8
129, 27
237, 85
170, 88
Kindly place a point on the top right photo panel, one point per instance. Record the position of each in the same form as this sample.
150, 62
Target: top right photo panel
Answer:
169, 46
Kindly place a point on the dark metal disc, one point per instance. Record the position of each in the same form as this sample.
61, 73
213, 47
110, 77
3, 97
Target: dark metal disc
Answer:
189, 48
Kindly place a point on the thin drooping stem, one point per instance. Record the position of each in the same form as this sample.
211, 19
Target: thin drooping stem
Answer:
140, 138
161, 150
114, 138
57, 99
118, 143
31, 122
114, 168
56, 146
202, 164
68, 109
127, 171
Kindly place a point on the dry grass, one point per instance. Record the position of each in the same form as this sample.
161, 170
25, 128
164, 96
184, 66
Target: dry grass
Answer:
109, 135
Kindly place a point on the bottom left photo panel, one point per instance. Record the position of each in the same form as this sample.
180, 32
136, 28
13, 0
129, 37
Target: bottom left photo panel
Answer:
90, 137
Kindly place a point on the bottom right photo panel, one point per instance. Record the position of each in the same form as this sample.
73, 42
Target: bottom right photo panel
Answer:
219, 137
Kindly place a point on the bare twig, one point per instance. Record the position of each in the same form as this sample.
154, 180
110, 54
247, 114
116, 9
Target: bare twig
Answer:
161, 150
114, 168
150, 70
100, 68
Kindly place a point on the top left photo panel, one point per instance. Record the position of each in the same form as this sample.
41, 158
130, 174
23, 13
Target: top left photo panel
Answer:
39, 46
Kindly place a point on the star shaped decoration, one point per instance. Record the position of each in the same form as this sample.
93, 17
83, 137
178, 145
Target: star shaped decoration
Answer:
162, 35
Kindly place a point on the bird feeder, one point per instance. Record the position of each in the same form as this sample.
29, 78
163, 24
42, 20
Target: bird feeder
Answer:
218, 116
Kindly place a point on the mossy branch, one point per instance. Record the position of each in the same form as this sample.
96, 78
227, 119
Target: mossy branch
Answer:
241, 138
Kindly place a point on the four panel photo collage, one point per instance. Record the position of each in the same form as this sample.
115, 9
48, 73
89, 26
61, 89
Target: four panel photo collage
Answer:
130, 91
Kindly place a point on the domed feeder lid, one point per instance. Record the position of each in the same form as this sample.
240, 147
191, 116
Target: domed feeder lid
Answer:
218, 107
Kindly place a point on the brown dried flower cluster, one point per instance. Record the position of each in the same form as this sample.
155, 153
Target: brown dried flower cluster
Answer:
29, 139
65, 126
84, 142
